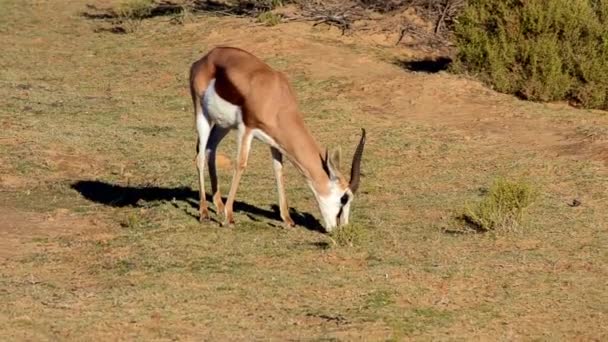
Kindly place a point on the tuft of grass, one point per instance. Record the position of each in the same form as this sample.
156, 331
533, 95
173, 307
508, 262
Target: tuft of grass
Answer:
269, 18
379, 299
540, 50
184, 15
135, 221
593, 132
130, 221
122, 266
503, 208
351, 235
135, 9
131, 12
273, 3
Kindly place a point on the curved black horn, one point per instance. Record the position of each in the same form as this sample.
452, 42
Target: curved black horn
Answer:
355, 171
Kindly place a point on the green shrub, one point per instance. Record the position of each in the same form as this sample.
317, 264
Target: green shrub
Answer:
541, 50
502, 209
348, 236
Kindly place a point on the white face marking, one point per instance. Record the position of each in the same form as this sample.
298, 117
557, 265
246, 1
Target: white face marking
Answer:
346, 212
330, 206
219, 110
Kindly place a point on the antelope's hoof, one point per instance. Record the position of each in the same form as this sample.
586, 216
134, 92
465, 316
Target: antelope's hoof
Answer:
289, 223
228, 223
204, 217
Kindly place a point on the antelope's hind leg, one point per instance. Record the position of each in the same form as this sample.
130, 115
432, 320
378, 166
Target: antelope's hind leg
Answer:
203, 129
217, 134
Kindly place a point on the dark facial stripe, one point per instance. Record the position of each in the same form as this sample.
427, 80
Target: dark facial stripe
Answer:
344, 199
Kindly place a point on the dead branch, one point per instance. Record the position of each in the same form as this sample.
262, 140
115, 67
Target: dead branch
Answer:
340, 17
448, 12
421, 34
341, 21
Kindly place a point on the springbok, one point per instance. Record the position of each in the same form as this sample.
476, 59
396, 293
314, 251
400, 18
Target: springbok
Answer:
233, 89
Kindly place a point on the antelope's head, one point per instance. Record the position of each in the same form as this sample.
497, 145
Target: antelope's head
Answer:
335, 203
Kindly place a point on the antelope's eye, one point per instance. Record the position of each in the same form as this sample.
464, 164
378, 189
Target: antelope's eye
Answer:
344, 199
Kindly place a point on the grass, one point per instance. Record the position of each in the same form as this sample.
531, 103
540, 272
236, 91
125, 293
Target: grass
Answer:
593, 132
100, 238
502, 209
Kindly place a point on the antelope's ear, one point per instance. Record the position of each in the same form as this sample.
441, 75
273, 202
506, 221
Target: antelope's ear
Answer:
335, 158
325, 163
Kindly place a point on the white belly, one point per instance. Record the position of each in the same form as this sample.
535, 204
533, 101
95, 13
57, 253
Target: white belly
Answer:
219, 110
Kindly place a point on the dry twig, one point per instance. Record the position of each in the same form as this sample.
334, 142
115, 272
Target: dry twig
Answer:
333, 16
449, 11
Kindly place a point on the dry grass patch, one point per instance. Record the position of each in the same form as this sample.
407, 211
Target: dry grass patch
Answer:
593, 132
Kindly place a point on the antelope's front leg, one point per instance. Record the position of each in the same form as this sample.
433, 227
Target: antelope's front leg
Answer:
244, 137
277, 166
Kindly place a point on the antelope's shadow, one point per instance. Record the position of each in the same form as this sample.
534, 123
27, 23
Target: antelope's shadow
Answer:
135, 196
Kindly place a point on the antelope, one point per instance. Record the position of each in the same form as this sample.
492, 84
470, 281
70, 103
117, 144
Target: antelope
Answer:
234, 90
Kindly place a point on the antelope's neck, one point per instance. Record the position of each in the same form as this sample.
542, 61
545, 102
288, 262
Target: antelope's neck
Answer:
301, 147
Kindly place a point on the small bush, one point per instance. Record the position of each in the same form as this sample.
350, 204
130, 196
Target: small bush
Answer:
269, 19
136, 221
502, 209
350, 235
542, 50
183, 15
130, 14
253, 7
135, 9
274, 3
131, 221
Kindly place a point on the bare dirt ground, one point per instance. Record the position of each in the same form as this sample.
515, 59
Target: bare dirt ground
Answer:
98, 234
